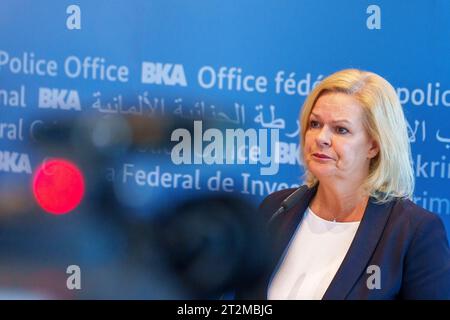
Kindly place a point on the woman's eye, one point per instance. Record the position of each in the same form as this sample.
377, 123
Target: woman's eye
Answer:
314, 124
341, 130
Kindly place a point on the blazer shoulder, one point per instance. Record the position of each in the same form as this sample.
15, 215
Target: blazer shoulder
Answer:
423, 225
416, 215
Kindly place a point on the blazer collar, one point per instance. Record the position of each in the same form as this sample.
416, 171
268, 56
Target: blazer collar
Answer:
364, 243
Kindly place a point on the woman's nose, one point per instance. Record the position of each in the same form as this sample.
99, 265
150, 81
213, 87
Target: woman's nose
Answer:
323, 137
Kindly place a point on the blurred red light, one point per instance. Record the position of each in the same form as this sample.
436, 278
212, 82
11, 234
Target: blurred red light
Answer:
58, 186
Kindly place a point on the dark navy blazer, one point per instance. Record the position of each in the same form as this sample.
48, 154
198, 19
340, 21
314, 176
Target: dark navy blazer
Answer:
407, 243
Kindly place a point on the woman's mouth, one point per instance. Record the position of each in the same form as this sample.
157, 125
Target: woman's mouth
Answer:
321, 156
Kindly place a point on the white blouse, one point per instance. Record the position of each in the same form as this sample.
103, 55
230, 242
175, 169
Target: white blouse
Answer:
312, 258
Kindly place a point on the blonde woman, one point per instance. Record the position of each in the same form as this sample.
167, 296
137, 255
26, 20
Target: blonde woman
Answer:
354, 233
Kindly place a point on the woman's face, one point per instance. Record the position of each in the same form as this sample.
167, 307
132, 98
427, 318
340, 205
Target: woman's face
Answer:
336, 142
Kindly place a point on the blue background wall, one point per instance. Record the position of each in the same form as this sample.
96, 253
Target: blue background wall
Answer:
407, 42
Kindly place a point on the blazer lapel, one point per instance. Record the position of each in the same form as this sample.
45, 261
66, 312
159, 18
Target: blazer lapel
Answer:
360, 251
289, 223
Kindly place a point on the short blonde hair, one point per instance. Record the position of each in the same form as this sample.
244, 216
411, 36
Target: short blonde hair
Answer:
390, 173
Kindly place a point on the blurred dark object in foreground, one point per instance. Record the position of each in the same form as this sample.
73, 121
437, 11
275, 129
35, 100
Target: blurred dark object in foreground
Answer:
199, 245
214, 244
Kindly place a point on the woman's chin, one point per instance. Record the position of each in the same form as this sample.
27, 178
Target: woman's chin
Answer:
321, 171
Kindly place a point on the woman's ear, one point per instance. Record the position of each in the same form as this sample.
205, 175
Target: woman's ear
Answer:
373, 150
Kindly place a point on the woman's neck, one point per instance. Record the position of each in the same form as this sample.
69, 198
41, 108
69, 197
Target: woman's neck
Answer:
339, 203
